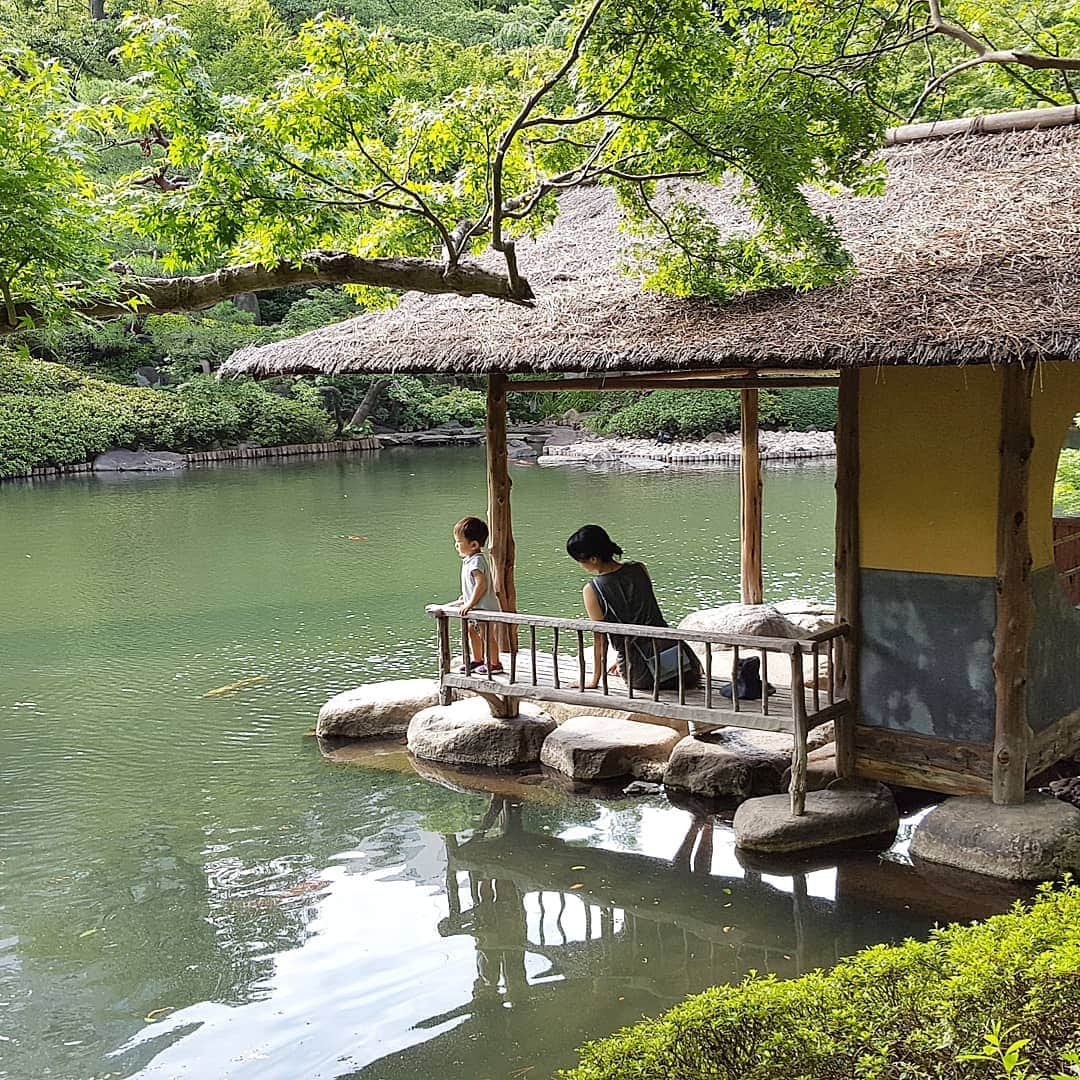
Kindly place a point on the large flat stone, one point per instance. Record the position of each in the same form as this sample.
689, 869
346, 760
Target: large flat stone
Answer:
376, 709
762, 620
845, 811
138, 461
561, 711
465, 733
603, 747
1037, 841
730, 763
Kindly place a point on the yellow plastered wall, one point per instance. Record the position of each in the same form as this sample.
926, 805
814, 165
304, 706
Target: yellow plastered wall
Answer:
928, 444
928, 469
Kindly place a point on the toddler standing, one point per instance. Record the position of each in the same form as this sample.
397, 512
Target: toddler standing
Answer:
477, 591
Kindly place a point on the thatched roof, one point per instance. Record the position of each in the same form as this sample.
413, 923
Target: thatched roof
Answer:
971, 256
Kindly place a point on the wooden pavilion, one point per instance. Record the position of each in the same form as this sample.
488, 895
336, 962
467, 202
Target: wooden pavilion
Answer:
955, 662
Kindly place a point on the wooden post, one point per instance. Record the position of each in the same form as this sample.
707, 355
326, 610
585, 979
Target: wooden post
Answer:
847, 564
1015, 607
498, 492
750, 500
797, 787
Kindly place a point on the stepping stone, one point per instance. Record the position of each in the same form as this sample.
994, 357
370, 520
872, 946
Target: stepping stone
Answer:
846, 810
603, 747
1036, 841
465, 733
561, 711
374, 709
730, 763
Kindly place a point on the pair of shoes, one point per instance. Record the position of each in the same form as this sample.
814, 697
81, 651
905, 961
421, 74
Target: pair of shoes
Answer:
483, 669
473, 665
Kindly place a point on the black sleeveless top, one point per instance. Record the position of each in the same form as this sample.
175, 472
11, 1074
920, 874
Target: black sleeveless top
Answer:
626, 596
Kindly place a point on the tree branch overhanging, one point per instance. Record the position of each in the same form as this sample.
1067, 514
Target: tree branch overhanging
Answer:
157, 295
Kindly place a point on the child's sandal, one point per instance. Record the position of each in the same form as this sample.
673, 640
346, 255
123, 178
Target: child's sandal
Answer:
483, 669
473, 666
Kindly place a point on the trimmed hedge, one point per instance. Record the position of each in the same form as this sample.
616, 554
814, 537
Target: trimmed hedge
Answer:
51, 415
693, 413
1067, 484
950, 1008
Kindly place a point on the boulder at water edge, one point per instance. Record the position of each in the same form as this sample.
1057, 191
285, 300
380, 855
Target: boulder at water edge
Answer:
761, 620
730, 763
603, 748
561, 711
846, 811
138, 461
1036, 841
465, 733
374, 709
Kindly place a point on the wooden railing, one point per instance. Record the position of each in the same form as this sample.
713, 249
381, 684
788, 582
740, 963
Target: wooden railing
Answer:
1067, 555
538, 669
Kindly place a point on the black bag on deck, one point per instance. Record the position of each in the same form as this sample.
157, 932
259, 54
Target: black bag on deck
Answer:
747, 681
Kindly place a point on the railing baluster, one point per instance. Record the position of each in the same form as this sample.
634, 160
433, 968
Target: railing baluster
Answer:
532, 650
629, 666
832, 671
817, 680
443, 628
708, 674
487, 627
682, 678
656, 669
764, 682
603, 664
581, 658
513, 665
735, 678
465, 644
555, 657
797, 788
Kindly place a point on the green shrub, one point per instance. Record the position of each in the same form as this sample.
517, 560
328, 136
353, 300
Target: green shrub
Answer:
51, 415
688, 413
922, 1010
800, 409
1067, 484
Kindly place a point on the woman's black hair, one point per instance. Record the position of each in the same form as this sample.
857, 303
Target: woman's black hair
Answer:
592, 542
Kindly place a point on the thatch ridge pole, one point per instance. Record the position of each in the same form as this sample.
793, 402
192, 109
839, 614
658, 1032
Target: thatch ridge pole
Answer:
750, 574
498, 491
846, 564
1015, 605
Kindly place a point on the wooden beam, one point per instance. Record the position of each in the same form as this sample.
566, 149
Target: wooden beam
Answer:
847, 563
1060, 740
750, 573
498, 490
1015, 606
666, 381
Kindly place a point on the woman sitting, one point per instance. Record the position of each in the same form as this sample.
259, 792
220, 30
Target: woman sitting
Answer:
622, 592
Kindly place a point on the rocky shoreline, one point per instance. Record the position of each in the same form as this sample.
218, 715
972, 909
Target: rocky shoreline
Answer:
562, 445
713, 449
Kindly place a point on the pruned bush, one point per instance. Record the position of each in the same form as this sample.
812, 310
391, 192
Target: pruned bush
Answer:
53, 416
1067, 484
942, 1009
800, 409
688, 413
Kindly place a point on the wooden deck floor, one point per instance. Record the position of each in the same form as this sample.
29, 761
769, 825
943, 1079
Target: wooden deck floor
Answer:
750, 714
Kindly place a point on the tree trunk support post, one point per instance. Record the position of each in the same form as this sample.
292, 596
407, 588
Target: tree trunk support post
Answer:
1015, 605
847, 564
750, 501
499, 522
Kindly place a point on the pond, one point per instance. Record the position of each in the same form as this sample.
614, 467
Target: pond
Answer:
188, 887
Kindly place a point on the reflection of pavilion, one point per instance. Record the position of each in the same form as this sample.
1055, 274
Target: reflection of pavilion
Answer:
573, 942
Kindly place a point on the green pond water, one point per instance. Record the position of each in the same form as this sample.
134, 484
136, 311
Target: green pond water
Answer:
189, 887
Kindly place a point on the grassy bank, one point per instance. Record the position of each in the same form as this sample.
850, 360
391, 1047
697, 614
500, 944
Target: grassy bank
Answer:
989, 1000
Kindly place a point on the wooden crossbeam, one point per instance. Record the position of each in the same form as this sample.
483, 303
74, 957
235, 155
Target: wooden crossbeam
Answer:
668, 381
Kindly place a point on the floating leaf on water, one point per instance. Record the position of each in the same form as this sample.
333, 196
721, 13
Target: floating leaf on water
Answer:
87, 933
727, 892
579, 885
151, 1016
356, 538
579, 868
238, 685
726, 929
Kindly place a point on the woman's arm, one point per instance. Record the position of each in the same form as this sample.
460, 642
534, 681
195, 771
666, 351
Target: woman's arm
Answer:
596, 613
